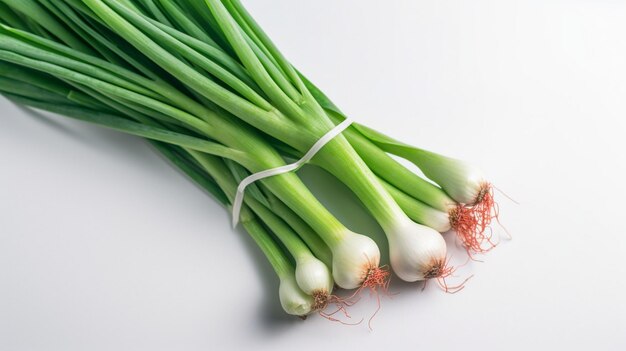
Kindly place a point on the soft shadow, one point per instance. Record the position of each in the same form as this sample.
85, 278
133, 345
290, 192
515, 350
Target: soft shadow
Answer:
270, 314
50, 122
118, 144
273, 319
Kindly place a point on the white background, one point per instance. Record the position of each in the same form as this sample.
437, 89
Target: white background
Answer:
103, 246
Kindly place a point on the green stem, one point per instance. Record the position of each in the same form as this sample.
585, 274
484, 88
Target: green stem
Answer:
265, 42
11, 86
338, 158
281, 229
11, 18
129, 127
156, 12
195, 80
415, 209
193, 56
39, 14
313, 241
274, 254
396, 174
250, 60
185, 24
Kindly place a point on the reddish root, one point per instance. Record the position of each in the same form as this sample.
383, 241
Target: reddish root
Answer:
375, 279
320, 300
441, 270
475, 234
485, 207
341, 306
473, 223
497, 211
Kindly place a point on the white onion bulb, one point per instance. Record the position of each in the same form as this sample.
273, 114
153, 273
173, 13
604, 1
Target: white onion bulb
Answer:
313, 276
459, 179
353, 257
414, 250
293, 300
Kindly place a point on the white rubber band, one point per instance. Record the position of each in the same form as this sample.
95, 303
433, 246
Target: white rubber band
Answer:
286, 168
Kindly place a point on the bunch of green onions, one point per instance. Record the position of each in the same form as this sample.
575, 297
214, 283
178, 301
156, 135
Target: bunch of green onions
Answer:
207, 87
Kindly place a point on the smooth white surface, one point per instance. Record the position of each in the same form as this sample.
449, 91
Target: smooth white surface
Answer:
103, 246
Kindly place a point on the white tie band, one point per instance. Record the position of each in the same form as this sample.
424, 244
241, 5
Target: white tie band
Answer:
330, 135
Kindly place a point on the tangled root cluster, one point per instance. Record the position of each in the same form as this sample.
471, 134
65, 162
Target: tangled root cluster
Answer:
472, 223
376, 278
441, 270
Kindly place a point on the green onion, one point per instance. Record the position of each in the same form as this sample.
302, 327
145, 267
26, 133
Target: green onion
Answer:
210, 90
